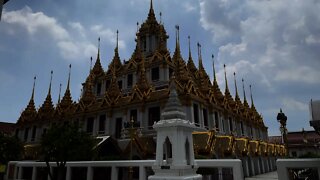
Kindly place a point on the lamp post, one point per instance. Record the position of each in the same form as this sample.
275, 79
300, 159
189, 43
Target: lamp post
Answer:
282, 118
132, 130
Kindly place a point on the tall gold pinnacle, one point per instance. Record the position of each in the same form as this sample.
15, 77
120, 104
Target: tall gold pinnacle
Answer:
49, 92
214, 70
68, 85
59, 93
235, 85
34, 84
225, 77
252, 104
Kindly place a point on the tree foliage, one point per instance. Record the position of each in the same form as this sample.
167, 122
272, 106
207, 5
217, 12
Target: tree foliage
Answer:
11, 149
64, 143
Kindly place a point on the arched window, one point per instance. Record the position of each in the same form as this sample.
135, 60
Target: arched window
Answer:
167, 150
187, 147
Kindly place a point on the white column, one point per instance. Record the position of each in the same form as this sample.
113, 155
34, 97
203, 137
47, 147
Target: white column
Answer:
68, 173
142, 173
114, 172
34, 173
89, 173
20, 172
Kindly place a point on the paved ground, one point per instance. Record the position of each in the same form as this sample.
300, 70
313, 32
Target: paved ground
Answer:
267, 176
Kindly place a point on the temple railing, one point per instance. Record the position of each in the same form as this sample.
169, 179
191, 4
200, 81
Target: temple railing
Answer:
298, 168
31, 170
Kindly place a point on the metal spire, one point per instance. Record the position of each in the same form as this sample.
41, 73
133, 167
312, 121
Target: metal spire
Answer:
225, 77
59, 93
214, 70
235, 85
252, 104
189, 47
117, 39
49, 92
34, 84
68, 85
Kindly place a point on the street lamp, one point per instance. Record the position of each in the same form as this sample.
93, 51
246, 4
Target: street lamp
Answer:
282, 118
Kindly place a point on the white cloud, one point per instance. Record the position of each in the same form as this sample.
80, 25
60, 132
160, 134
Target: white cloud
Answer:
38, 22
109, 35
189, 7
292, 104
35, 22
78, 27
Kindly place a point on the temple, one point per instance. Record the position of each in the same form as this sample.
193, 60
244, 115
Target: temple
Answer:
133, 94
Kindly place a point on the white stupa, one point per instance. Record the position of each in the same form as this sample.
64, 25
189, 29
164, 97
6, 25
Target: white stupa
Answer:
174, 154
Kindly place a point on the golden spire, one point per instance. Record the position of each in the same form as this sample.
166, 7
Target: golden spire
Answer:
47, 106
245, 102
34, 84
151, 15
59, 93
49, 92
189, 48
97, 68
200, 57
236, 88
68, 85
192, 68
98, 56
252, 104
177, 54
117, 39
214, 71
90, 64
225, 78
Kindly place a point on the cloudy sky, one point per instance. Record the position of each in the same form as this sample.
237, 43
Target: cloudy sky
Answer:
274, 45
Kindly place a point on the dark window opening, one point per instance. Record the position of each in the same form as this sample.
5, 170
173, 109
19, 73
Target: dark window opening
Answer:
241, 127
170, 72
205, 117
16, 133
98, 89
102, 120
196, 114
187, 147
167, 150
216, 119
90, 122
120, 84
251, 131
155, 75
118, 127
44, 131
154, 116
34, 130
134, 115
294, 154
107, 84
230, 125
130, 80
26, 133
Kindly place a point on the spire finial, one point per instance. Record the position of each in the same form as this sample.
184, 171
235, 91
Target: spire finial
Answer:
34, 84
137, 26
189, 47
49, 92
244, 92
90, 63
59, 93
68, 85
214, 70
235, 84
98, 57
160, 17
177, 35
117, 38
225, 76
252, 104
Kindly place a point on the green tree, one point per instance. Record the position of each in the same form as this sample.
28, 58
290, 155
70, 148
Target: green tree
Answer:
11, 149
64, 143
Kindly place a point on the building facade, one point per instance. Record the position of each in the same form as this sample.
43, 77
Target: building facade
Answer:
138, 89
